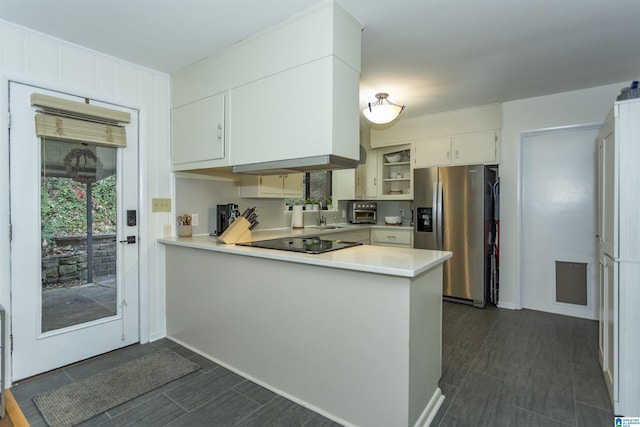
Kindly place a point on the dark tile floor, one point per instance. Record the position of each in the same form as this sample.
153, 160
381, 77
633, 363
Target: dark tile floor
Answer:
520, 368
211, 396
500, 368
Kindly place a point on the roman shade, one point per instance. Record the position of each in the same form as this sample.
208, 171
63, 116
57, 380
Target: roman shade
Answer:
75, 121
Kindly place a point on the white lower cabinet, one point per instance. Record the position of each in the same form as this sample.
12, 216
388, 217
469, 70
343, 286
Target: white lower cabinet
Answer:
389, 236
271, 186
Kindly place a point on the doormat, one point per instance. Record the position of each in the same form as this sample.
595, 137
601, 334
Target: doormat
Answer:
73, 403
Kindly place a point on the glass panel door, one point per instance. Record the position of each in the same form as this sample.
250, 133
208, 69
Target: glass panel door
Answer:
74, 252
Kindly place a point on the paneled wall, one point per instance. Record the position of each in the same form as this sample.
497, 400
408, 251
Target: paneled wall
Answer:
34, 58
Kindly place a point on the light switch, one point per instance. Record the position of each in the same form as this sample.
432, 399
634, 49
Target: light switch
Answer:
160, 205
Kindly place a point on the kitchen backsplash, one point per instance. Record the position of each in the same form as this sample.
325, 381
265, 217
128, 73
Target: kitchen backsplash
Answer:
200, 196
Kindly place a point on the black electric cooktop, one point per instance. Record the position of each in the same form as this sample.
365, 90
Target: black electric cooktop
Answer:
307, 245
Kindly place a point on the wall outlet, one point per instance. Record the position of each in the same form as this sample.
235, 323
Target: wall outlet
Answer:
194, 219
401, 212
160, 205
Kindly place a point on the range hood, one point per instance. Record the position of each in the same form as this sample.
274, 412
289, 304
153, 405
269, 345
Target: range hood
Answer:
303, 164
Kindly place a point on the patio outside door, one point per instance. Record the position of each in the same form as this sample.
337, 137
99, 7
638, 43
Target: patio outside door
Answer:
74, 276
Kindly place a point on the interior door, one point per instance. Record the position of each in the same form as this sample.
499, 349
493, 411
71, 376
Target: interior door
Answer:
559, 217
70, 301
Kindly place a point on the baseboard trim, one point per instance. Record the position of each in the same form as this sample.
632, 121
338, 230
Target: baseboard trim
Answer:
157, 336
431, 409
507, 305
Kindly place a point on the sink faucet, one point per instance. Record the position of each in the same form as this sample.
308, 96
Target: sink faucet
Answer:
320, 219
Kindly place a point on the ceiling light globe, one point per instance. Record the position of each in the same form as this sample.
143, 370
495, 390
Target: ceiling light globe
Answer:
382, 113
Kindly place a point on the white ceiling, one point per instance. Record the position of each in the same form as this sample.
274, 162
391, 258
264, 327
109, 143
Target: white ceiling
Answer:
430, 55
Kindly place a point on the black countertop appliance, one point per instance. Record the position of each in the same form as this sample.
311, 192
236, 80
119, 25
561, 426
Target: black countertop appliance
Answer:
308, 245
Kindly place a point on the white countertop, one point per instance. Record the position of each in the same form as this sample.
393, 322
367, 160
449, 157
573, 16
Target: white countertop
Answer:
403, 262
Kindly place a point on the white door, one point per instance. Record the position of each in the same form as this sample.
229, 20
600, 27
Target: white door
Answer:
70, 299
559, 171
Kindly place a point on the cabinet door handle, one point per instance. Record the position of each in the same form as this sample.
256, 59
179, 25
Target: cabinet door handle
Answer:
448, 155
219, 132
391, 237
375, 181
456, 154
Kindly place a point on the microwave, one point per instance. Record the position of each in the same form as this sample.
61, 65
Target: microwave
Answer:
362, 212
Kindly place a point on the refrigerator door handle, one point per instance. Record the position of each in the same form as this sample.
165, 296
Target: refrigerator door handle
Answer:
437, 215
439, 224
434, 216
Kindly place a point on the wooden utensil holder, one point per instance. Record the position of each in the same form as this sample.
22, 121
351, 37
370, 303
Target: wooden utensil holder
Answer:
237, 232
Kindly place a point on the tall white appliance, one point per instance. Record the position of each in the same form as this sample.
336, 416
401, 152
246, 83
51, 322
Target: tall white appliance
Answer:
619, 252
454, 212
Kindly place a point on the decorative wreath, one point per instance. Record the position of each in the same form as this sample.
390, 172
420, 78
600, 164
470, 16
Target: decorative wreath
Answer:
73, 170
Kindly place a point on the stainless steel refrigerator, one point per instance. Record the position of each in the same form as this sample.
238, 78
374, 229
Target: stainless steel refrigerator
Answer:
453, 211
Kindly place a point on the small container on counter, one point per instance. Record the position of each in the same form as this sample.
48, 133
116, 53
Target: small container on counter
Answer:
184, 231
184, 226
297, 220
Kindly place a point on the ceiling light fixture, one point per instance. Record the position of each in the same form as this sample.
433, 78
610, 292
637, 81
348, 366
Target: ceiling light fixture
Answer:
382, 111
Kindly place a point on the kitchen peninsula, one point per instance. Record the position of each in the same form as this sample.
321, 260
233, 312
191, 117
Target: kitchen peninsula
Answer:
353, 334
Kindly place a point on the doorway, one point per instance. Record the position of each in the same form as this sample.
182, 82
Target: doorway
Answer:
559, 255
74, 261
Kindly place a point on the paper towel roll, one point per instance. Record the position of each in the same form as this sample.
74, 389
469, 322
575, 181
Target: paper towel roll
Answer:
297, 220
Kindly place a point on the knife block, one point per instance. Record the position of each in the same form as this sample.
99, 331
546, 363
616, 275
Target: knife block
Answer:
237, 232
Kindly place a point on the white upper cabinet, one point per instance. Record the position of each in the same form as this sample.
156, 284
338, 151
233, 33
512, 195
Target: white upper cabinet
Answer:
293, 91
432, 152
344, 184
460, 137
474, 148
271, 186
198, 133
359, 183
370, 175
467, 149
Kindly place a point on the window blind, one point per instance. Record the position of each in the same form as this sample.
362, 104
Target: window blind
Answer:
50, 126
71, 120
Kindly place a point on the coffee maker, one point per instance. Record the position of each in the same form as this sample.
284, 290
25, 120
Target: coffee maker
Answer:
225, 216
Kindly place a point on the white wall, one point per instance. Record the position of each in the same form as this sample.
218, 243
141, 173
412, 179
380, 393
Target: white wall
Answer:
580, 107
34, 58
